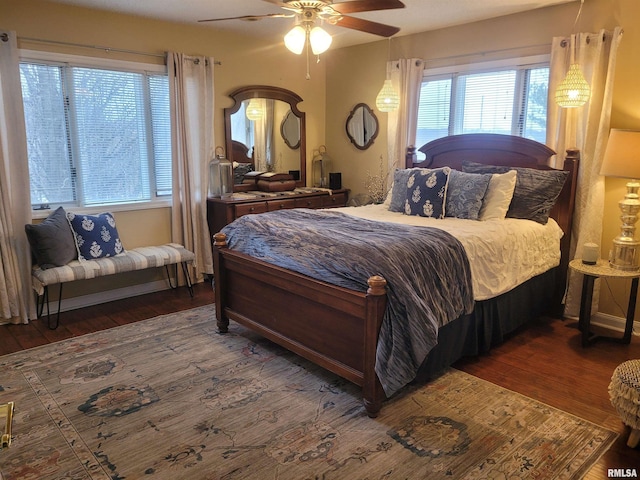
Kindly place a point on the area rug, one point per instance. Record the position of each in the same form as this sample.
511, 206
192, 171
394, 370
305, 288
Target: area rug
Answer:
170, 398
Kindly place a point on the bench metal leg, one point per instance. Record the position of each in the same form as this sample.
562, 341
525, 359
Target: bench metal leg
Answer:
187, 277
44, 298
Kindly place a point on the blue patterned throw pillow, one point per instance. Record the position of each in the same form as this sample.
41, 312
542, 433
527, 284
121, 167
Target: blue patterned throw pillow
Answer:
465, 193
427, 192
96, 235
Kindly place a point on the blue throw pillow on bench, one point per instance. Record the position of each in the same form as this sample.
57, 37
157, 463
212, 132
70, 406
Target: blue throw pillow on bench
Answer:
96, 235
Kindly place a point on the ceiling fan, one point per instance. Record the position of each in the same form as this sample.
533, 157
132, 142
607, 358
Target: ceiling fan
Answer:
308, 11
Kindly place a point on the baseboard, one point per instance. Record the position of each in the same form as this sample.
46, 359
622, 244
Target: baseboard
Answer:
612, 322
82, 301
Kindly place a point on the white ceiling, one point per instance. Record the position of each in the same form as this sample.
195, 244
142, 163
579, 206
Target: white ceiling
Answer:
418, 16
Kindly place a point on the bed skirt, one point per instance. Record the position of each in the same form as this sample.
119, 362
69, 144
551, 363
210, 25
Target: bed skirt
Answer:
489, 324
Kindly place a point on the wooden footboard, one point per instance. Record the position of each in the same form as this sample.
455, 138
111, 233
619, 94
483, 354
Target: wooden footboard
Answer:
334, 327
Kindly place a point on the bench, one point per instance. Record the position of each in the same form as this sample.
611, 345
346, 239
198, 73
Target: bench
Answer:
135, 259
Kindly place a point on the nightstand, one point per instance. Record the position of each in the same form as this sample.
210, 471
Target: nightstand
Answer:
602, 270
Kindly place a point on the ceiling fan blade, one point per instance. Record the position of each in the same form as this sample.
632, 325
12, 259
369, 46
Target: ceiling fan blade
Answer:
367, 26
366, 5
283, 4
250, 18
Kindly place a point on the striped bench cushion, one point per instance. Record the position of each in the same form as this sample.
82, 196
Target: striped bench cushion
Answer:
134, 259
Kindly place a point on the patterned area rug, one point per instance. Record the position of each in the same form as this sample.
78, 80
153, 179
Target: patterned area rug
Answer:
170, 398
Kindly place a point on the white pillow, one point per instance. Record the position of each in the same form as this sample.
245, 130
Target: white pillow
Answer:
495, 203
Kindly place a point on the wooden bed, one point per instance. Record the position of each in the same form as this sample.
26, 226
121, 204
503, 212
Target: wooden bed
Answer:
337, 328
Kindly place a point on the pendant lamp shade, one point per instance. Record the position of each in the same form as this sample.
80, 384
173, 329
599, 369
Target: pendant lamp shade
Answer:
574, 90
387, 99
254, 109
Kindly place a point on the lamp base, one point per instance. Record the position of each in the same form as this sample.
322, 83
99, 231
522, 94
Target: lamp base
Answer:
624, 253
624, 257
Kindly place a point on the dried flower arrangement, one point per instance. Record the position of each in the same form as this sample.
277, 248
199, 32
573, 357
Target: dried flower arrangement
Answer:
376, 185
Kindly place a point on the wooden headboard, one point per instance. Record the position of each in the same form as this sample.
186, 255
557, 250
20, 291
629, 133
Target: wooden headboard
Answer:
508, 150
240, 153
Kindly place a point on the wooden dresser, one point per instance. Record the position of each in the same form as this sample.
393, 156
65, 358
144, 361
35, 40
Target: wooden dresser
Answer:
220, 211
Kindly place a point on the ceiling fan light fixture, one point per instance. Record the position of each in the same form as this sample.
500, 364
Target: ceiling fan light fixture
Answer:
320, 40
387, 99
295, 39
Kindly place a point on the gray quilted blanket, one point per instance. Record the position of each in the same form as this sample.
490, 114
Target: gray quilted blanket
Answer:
427, 273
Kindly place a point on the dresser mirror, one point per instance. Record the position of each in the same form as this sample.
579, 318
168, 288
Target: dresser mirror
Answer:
362, 126
265, 131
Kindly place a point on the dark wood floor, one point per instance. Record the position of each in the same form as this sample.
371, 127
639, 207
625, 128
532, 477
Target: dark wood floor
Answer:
544, 361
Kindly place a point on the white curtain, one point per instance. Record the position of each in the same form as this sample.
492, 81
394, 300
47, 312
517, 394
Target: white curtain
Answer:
16, 298
193, 145
406, 78
263, 136
586, 128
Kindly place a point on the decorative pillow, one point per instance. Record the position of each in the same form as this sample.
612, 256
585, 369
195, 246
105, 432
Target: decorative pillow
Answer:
536, 191
52, 240
427, 192
496, 201
399, 189
465, 193
240, 170
96, 235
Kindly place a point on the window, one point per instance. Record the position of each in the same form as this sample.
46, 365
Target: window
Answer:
484, 99
96, 135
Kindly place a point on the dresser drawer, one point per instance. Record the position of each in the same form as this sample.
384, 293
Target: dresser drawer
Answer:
309, 202
283, 204
254, 207
335, 200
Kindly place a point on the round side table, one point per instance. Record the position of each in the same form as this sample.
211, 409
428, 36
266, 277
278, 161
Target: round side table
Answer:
601, 270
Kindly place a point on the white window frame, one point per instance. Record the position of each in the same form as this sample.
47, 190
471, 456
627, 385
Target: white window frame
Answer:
108, 64
526, 62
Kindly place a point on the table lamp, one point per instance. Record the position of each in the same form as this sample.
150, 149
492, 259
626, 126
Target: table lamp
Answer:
622, 159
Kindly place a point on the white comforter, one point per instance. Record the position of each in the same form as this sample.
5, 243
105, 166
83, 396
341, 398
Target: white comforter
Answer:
502, 253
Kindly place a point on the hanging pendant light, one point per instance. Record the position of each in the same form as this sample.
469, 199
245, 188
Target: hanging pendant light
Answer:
254, 110
574, 90
387, 99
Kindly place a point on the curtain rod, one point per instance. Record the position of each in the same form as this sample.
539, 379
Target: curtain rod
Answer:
480, 54
97, 47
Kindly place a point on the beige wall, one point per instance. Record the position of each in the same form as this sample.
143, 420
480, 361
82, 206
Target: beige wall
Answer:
352, 75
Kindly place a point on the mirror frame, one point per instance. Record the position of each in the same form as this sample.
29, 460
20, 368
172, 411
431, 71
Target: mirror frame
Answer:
368, 109
275, 93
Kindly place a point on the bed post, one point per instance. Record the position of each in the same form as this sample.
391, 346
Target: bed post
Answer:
564, 217
372, 392
219, 242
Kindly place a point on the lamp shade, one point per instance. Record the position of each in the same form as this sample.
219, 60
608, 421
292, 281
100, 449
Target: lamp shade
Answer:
320, 40
574, 90
387, 99
295, 39
622, 156
254, 109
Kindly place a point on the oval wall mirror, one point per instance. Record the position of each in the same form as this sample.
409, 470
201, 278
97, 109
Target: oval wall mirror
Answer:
251, 132
362, 126
290, 130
